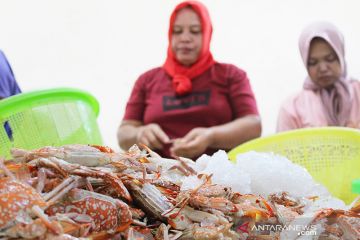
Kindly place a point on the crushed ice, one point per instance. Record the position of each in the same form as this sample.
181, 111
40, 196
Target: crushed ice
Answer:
262, 174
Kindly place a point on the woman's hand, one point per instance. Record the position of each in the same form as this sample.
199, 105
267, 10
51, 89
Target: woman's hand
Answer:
192, 144
152, 136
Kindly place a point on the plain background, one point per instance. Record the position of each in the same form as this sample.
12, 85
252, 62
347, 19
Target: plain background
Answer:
103, 46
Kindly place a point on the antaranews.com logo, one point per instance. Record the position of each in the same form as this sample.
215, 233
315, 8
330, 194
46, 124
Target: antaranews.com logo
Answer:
265, 229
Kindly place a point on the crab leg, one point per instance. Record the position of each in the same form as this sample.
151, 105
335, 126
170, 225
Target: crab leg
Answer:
65, 169
162, 232
61, 186
6, 170
88, 185
52, 163
115, 182
185, 165
176, 235
72, 185
44, 218
41, 180
181, 169
353, 204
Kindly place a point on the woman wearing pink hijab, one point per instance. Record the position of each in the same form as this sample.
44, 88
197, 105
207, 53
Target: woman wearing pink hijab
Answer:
192, 104
329, 96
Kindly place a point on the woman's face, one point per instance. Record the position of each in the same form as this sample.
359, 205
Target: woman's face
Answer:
186, 38
323, 64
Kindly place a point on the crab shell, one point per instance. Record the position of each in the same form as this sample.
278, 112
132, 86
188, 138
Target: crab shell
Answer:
108, 213
15, 197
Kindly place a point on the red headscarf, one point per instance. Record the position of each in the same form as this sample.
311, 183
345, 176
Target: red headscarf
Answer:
181, 74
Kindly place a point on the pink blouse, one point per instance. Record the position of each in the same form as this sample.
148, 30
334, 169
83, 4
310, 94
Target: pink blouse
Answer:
305, 110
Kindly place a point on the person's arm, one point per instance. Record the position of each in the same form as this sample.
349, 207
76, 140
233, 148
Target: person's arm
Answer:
8, 84
287, 118
286, 121
245, 126
132, 129
226, 136
127, 133
234, 133
132, 132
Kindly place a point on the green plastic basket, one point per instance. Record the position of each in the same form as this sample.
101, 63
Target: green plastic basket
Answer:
330, 154
49, 117
356, 186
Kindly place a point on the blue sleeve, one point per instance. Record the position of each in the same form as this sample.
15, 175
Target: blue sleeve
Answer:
8, 84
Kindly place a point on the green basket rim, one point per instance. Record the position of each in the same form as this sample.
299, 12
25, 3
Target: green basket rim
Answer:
289, 135
21, 101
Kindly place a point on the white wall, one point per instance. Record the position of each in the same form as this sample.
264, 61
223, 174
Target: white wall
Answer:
102, 46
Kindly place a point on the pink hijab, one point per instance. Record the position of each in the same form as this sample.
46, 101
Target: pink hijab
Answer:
337, 101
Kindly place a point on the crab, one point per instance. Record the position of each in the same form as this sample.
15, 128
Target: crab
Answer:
107, 213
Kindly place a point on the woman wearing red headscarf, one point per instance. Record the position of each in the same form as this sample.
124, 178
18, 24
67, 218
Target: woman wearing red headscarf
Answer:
329, 96
192, 104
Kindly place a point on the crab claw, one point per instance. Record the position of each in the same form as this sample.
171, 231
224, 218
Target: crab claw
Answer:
111, 179
118, 185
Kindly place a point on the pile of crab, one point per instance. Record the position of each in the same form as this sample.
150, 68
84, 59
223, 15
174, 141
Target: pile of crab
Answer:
92, 192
